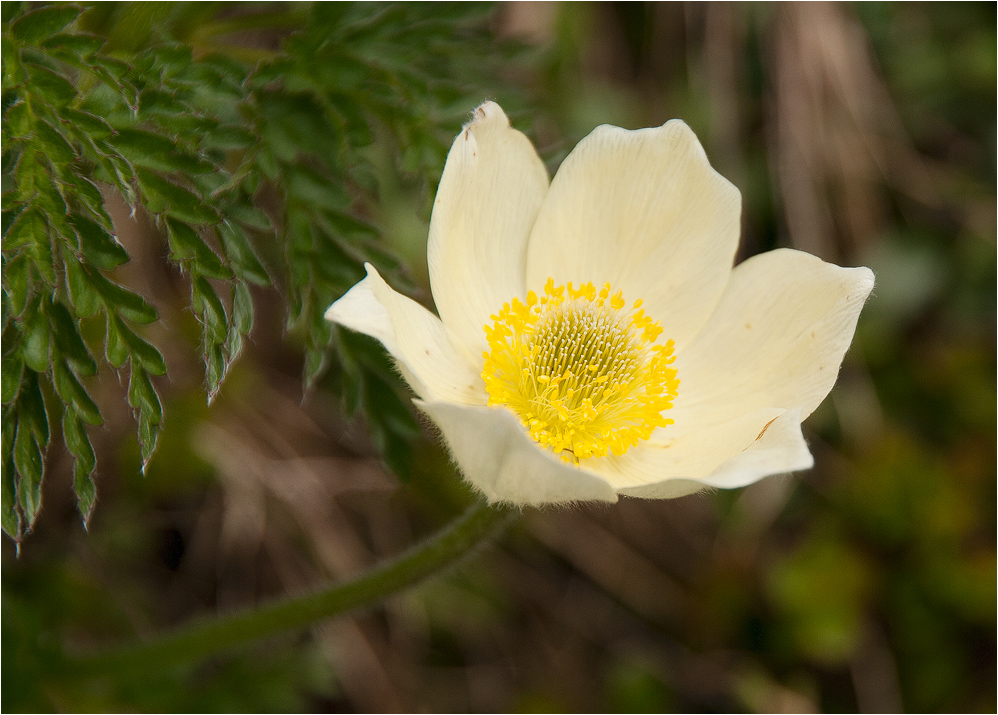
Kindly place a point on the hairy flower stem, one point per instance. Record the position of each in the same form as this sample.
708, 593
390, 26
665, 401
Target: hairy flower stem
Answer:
207, 636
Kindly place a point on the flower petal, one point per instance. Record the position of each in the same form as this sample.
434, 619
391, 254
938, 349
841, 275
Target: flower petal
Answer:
489, 195
779, 449
424, 347
645, 211
694, 455
777, 339
498, 458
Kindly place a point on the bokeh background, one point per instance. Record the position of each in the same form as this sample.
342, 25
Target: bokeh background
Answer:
863, 133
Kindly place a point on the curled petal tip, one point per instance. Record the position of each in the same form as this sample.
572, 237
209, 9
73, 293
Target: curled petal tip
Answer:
864, 282
487, 112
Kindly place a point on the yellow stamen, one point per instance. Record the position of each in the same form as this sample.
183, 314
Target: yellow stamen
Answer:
586, 376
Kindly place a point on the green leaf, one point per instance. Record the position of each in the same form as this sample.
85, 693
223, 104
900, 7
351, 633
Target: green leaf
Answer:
228, 137
31, 406
91, 197
85, 299
17, 283
11, 369
53, 87
207, 183
351, 377
398, 457
165, 196
207, 304
29, 228
142, 395
35, 348
241, 254
13, 70
115, 347
348, 225
11, 212
392, 426
115, 68
28, 175
233, 348
173, 57
77, 441
153, 101
267, 162
86, 491
57, 148
129, 305
68, 340
242, 308
227, 67
52, 203
43, 23
86, 122
98, 246
313, 189
242, 322
119, 172
28, 461
316, 362
215, 369
73, 393
10, 516
42, 261
199, 170
20, 120
145, 148
251, 180
148, 437
79, 44
188, 245
251, 216
147, 355
108, 97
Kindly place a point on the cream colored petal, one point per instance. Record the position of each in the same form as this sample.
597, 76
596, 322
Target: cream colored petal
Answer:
495, 454
645, 211
669, 489
778, 450
694, 455
489, 195
432, 364
777, 339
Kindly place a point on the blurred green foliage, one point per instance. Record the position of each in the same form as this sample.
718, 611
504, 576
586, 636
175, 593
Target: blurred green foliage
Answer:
277, 148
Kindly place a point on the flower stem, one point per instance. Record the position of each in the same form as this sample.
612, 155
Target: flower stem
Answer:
211, 635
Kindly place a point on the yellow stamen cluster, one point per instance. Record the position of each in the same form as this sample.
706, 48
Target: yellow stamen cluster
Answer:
583, 373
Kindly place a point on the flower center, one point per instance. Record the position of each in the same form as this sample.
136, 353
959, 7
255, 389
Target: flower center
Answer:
583, 373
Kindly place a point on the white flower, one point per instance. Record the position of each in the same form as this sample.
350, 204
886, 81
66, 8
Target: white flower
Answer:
593, 337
